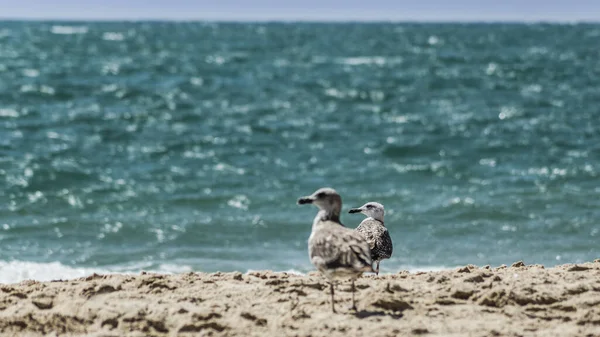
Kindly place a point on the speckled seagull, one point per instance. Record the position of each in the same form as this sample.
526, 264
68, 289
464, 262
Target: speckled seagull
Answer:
373, 229
336, 251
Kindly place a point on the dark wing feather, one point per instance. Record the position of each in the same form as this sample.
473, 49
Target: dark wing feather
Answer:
378, 238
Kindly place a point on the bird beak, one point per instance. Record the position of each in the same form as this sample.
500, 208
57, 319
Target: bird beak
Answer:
306, 200
355, 210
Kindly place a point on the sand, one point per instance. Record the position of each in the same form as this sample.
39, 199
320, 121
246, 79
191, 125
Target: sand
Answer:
471, 301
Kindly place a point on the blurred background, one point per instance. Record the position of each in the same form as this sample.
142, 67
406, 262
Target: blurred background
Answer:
176, 136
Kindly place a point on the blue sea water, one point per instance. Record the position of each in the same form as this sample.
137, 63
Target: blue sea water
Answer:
184, 146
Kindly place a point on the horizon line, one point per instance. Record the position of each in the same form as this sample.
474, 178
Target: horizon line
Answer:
305, 20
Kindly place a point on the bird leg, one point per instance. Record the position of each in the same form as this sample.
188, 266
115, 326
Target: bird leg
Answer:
353, 291
332, 302
377, 269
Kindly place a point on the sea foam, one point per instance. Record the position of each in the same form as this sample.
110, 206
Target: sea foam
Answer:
17, 271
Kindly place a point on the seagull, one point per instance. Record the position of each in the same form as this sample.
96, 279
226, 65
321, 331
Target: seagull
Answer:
336, 251
373, 229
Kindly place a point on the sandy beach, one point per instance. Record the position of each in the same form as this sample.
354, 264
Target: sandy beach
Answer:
518, 300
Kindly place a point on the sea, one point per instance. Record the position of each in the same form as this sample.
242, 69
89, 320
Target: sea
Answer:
183, 146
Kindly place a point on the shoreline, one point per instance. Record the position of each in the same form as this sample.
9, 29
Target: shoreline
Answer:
504, 301
16, 271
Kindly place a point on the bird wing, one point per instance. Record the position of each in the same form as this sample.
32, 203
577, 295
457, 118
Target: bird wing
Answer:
334, 247
366, 229
385, 244
378, 237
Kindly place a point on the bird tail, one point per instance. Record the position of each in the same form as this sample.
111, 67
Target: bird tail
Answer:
369, 269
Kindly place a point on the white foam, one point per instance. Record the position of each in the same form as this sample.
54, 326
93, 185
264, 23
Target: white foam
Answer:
17, 271
416, 269
289, 271
369, 60
112, 36
68, 30
9, 113
173, 269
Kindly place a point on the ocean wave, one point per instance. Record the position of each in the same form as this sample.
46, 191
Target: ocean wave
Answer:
68, 30
143, 151
17, 271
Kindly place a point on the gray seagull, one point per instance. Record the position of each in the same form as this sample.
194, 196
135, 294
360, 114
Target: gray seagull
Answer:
336, 251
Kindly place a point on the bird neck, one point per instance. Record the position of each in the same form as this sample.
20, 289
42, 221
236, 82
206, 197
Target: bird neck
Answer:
378, 219
326, 215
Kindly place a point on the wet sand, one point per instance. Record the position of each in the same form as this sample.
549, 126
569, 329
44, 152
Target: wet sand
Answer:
517, 300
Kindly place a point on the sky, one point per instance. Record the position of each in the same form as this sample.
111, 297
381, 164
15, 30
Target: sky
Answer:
305, 10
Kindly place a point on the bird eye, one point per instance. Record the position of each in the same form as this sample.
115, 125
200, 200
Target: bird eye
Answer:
321, 195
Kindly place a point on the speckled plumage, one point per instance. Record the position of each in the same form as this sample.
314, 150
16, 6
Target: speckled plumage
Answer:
336, 251
378, 238
375, 232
